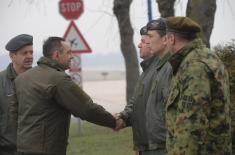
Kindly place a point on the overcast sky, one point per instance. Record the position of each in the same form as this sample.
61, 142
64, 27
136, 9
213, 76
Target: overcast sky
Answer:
41, 18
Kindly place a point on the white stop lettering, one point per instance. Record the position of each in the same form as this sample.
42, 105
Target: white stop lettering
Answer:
70, 7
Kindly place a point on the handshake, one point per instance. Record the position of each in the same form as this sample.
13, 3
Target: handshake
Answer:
120, 123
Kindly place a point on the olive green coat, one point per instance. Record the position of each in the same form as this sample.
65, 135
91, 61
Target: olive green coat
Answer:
46, 99
7, 131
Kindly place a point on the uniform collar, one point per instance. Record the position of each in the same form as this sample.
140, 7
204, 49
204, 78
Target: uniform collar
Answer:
11, 74
163, 60
176, 59
146, 63
51, 63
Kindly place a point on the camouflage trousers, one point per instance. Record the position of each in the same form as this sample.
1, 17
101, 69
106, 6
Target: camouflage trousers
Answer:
153, 152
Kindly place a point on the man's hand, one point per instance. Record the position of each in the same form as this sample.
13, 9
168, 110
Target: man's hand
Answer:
120, 124
117, 116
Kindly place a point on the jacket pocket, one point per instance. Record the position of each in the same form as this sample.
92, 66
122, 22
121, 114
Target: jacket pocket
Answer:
6, 112
140, 90
174, 94
154, 86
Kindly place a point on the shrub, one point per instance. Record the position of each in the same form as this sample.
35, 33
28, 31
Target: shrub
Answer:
226, 53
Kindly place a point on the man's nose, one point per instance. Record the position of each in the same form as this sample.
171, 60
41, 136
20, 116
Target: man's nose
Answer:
29, 55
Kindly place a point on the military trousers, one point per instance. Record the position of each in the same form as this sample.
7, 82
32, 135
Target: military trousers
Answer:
153, 152
22, 153
7, 152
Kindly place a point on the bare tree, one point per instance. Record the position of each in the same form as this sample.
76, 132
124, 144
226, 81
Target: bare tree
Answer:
202, 12
205, 17
121, 10
166, 7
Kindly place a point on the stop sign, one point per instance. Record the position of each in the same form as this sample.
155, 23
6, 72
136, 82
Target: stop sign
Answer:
71, 9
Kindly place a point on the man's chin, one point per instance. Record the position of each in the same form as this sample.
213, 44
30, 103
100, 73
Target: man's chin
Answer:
28, 66
65, 67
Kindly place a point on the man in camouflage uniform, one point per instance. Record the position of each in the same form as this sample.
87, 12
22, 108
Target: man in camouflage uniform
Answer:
197, 111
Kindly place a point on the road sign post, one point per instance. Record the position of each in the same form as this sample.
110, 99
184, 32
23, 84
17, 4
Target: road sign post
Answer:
72, 10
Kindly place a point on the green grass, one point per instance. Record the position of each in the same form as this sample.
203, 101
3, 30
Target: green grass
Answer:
97, 140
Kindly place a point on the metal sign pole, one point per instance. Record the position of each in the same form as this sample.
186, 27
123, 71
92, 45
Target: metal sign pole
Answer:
76, 75
149, 10
72, 10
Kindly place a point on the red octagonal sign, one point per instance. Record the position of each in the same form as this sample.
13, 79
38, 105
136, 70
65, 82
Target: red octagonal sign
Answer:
71, 9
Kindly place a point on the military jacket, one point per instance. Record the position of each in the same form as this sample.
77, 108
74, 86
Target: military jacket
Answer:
144, 114
7, 131
231, 68
197, 111
45, 99
155, 107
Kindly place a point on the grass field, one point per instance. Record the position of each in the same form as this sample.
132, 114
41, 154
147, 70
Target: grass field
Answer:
97, 140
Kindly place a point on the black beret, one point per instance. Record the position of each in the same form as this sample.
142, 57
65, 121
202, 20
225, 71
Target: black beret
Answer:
182, 25
18, 42
158, 24
143, 30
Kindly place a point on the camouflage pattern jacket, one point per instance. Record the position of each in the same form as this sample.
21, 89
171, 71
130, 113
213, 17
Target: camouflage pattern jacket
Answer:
197, 112
7, 131
46, 98
145, 110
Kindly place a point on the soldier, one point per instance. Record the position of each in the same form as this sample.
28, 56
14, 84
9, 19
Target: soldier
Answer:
197, 112
155, 107
146, 109
45, 98
21, 54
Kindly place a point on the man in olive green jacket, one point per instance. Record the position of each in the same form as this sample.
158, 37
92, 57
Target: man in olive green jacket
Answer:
46, 98
20, 50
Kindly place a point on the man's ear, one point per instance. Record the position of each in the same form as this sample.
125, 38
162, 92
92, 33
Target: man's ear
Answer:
55, 55
171, 38
11, 55
164, 39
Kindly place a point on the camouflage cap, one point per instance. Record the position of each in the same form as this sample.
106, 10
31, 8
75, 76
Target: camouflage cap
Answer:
143, 30
158, 24
18, 42
182, 25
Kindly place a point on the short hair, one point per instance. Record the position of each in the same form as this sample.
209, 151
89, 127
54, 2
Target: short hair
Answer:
161, 33
188, 37
52, 44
